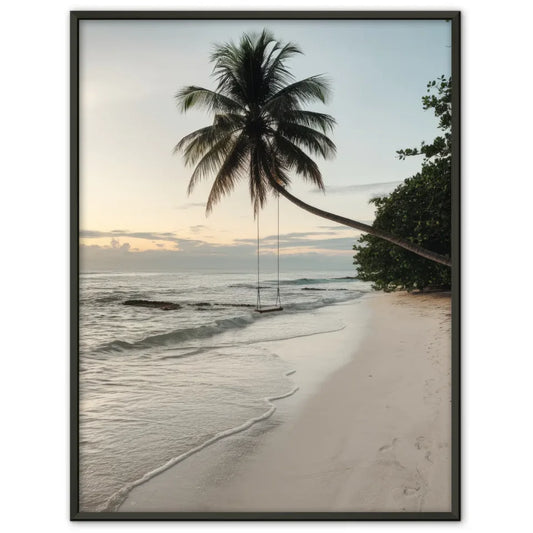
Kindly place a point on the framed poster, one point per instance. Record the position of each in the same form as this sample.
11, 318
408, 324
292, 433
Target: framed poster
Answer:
265, 265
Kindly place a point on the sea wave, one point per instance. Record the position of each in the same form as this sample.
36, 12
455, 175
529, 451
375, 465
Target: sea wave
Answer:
314, 281
177, 336
299, 281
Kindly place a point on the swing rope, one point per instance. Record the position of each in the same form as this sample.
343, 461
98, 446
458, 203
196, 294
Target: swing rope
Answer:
278, 297
258, 306
277, 306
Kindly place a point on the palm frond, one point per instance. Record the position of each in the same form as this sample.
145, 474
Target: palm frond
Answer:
295, 158
312, 119
227, 59
298, 93
195, 144
276, 74
275, 167
257, 179
229, 120
316, 142
199, 146
264, 167
214, 101
250, 70
212, 160
231, 170
198, 140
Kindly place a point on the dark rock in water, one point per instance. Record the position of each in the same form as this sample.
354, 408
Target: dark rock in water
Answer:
234, 305
315, 289
202, 306
165, 306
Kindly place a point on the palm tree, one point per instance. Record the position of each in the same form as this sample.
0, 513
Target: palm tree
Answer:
260, 130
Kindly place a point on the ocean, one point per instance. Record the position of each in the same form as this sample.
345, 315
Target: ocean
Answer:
157, 385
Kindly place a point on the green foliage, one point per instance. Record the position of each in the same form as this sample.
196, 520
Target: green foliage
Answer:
419, 211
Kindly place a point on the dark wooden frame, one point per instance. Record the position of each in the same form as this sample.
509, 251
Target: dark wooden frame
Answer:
75, 18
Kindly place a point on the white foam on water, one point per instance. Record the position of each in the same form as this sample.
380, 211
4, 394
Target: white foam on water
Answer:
157, 384
118, 498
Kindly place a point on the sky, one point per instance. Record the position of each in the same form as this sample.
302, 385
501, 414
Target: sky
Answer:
135, 213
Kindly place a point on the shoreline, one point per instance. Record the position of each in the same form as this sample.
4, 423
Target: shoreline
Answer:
374, 435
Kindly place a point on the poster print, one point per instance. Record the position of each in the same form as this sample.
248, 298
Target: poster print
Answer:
265, 265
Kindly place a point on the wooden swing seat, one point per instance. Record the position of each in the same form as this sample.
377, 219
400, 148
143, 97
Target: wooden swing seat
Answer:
269, 309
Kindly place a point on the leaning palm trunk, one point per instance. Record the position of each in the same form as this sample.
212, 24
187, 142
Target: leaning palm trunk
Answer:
261, 130
432, 256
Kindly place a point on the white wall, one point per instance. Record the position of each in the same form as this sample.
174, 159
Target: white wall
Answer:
497, 191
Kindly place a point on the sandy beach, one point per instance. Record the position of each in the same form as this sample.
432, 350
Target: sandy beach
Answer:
371, 435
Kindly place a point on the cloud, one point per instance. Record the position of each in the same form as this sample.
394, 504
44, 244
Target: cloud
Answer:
286, 240
383, 188
90, 234
298, 238
189, 205
181, 243
345, 228
339, 226
94, 258
148, 235
197, 228
339, 243
195, 253
115, 245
